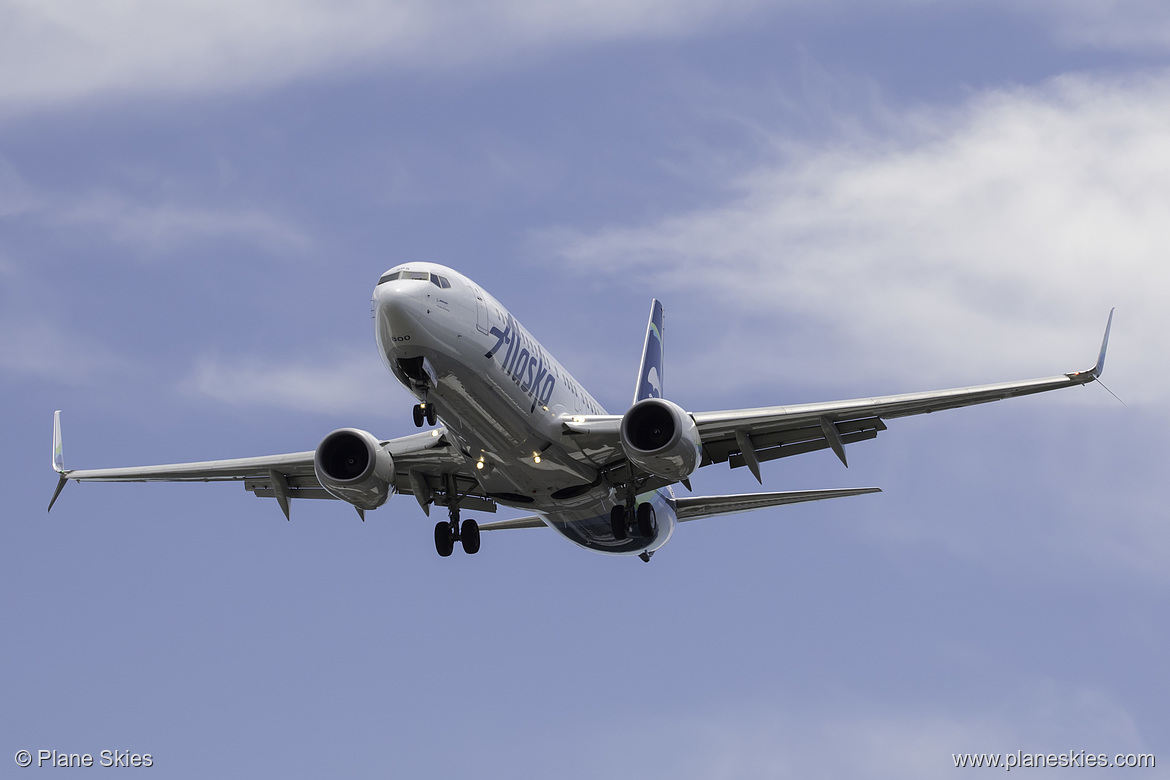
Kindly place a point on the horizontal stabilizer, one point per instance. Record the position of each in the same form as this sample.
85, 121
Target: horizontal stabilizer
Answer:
520, 522
709, 506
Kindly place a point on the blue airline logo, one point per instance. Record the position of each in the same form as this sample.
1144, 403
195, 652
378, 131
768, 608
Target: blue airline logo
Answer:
525, 362
650, 375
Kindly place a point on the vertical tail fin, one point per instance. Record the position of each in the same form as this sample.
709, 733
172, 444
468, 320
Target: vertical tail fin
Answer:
650, 372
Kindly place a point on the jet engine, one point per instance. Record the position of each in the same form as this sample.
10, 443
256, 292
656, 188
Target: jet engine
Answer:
662, 439
353, 466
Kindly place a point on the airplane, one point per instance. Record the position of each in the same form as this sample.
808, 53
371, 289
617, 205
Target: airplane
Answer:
509, 426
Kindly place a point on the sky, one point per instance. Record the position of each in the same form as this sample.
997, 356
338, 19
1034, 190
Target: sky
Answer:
833, 200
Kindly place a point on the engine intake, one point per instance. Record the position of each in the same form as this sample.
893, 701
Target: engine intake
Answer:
354, 467
661, 438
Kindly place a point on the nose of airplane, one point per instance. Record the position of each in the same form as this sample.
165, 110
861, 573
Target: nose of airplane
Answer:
398, 306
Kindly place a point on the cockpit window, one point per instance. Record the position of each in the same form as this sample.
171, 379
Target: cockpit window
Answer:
422, 276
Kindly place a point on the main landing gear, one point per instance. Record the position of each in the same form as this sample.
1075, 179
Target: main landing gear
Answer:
425, 411
644, 522
446, 534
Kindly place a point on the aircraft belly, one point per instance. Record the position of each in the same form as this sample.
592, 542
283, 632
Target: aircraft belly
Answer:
587, 525
480, 412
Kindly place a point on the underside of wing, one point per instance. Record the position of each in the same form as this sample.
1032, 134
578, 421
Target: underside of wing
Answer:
696, 507
424, 464
748, 437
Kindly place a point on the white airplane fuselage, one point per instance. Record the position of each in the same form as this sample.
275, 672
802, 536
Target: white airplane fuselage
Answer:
502, 399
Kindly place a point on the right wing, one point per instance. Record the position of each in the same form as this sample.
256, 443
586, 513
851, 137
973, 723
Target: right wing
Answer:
425, 464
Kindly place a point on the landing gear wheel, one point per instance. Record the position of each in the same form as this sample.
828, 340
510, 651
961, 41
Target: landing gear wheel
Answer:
617, 523
469, 537
646, 521
432, 414
444, 541
418, 415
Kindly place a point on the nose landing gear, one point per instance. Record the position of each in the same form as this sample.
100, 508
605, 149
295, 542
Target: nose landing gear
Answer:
425, 411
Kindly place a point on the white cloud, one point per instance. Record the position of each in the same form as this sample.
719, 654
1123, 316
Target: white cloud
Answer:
165, 226
1111, 24
15, 195
854, 739
355, 382
57, 51
991, 238
33, 346
60, 50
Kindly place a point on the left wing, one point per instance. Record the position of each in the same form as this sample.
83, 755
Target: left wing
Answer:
747, 437
697, 507
425, 464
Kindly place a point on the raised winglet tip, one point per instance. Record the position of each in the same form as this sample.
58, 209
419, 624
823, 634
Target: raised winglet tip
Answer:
1099, 369
58, 451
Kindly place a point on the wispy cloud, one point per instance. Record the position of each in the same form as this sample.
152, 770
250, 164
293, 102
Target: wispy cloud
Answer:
854, 739
1109, 24
159, 227
983, 237
15, 194
51, 52
32, 346
58, 51
352, 382
156, 226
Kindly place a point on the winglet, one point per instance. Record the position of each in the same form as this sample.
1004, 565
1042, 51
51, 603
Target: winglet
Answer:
1099, 369
58, 459
58, 454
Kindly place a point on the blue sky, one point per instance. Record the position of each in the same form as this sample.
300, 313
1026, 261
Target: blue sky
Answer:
833, 200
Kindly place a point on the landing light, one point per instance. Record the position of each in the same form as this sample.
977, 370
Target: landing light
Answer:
479, 464
536, 457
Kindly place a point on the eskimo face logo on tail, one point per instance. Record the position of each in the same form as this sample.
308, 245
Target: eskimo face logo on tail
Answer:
651, 383
524, 361
654, 382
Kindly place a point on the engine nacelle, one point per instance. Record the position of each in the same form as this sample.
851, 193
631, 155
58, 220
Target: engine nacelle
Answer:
662, 439
353, 466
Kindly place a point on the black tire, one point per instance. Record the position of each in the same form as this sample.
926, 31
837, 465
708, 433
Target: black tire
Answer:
444, 544
432, 414
418, 415
469, 537
646, 520
617, 523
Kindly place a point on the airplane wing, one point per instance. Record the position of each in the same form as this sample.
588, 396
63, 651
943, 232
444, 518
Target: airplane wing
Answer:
423, 465
748, 437
696, 507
